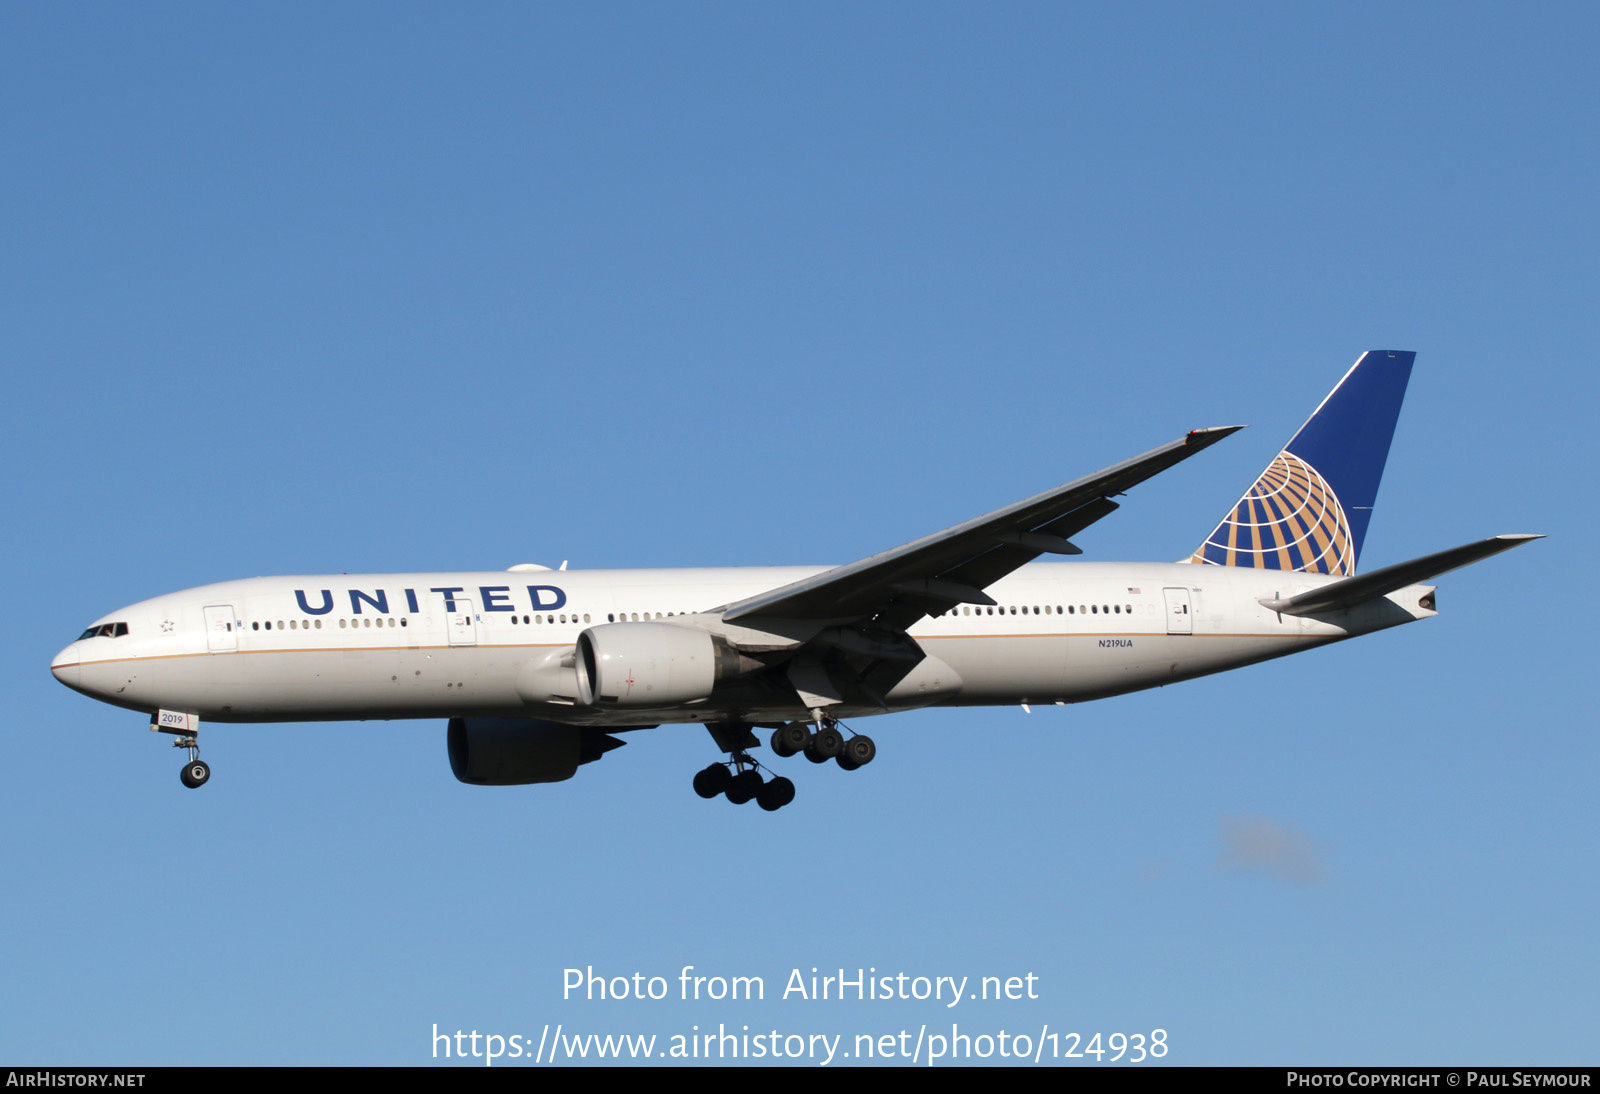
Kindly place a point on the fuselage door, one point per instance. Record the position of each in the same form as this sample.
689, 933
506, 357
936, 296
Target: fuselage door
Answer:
220, 634
463, 624
1180, 619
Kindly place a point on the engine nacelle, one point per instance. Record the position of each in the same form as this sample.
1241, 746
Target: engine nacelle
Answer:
516, 751
652, 665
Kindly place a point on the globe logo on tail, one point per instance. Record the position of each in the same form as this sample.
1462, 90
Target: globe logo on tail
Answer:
1289, 520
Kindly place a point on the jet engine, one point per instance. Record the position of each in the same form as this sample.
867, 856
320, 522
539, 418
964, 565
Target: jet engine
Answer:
652, 665
515, 751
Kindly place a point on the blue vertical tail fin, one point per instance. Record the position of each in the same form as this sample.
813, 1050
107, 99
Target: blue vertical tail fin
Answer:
1310, 508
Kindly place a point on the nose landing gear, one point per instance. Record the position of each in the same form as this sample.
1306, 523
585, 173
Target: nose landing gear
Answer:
186, 727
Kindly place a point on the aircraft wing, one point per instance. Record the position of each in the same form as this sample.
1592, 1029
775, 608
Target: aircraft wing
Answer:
930, 575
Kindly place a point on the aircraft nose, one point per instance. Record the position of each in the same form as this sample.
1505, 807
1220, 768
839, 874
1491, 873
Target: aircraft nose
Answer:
66, 667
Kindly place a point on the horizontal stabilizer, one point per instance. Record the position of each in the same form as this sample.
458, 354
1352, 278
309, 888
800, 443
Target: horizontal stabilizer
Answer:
1353, 590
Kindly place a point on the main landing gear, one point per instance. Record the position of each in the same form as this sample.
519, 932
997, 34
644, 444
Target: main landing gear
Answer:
738, 778
827, 742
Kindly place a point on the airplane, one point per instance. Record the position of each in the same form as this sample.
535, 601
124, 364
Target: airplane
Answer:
536, 671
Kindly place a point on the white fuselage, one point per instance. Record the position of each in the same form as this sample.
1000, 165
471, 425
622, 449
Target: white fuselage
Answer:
357, 646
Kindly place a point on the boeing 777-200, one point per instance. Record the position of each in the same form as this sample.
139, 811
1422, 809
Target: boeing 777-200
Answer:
538, 671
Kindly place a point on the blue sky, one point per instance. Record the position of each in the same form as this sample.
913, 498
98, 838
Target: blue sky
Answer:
299, 288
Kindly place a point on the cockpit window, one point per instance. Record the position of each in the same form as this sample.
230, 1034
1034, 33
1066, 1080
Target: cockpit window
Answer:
105, 630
